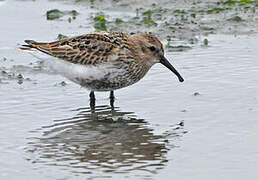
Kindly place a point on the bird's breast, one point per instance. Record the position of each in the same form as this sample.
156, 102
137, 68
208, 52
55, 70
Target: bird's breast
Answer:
101, 77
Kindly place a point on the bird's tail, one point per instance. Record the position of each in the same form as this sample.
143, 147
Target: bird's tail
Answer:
36, 49
30, 45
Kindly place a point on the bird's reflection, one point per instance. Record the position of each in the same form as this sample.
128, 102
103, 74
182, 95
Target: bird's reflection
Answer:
102, 138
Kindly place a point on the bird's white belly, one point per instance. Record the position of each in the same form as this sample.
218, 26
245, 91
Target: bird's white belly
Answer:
102, 77
86, 75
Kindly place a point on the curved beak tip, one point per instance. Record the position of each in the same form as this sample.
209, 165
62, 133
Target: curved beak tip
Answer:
181, 79
166, 63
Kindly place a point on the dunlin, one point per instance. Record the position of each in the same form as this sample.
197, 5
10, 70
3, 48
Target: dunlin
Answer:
104, 61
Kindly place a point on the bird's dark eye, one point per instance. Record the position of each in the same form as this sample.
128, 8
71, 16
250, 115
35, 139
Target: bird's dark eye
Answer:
152, 48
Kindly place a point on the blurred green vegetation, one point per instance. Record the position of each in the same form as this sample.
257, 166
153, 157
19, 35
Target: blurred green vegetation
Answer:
61, 36
56, 14
197, 17
100, 23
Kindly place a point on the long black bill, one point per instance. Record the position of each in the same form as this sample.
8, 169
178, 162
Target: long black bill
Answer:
166, 63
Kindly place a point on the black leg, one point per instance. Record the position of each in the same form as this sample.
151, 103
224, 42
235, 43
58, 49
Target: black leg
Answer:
92, 105
92, 95
112, 98
112, 95
92, 100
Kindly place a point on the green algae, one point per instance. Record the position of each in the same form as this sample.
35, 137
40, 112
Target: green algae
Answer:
118, 21
179, 11
147, 18
217, 10
228, 2
205, 42
69, 19
240, 2
61, 36
55, 14
100, 23
177, 48
181, 23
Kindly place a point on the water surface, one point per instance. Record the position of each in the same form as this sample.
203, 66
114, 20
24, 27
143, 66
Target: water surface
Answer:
48, 129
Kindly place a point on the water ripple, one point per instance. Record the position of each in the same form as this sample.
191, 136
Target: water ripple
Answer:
103, 139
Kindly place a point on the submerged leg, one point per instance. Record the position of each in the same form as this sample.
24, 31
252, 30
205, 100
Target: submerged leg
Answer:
92, 100
112, 98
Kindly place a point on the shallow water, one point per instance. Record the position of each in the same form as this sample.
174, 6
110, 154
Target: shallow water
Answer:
204, 128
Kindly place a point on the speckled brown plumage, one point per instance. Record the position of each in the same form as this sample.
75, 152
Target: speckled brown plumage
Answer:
87, 49
112, 60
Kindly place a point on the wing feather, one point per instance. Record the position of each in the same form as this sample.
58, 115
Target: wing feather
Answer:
87, 49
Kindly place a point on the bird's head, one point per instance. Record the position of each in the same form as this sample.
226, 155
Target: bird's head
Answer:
150, 50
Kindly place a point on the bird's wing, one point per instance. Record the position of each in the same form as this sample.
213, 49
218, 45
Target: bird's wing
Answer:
85, 49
